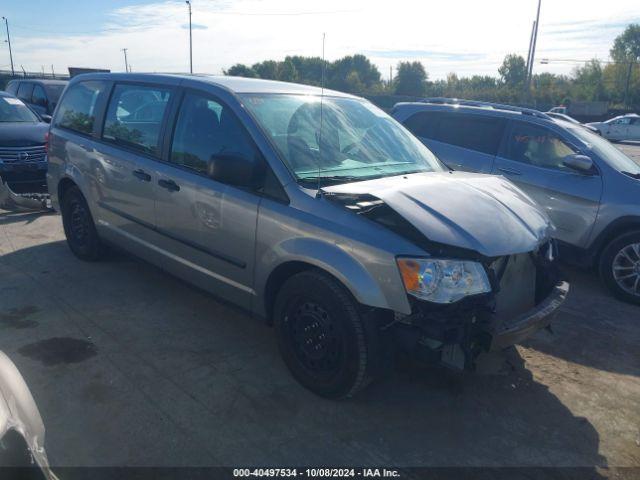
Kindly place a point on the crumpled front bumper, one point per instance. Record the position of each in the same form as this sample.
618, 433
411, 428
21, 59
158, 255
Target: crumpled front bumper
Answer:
24, 184
526, 324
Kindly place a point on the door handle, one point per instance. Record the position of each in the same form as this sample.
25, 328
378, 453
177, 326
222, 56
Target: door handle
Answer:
169, 185
508, 171
141, 175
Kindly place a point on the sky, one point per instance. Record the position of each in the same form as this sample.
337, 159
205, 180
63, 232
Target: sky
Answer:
467, 37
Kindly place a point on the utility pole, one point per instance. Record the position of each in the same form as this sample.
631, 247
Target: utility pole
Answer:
126, 64
188, 2
532, 49
53, 73
6, 24
535, 40
533, 32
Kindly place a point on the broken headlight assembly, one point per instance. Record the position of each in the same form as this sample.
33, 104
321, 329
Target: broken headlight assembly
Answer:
442, 280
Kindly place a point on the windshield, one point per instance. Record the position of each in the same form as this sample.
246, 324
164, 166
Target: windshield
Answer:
607, 151
13, 110
357, 140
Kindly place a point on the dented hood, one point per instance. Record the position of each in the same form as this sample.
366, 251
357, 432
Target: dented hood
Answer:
484, 213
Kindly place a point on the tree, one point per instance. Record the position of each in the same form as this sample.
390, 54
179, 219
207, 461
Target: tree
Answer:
589, 81
288, 71
411, 79
268, 69
240, 70
353, 74
626, 47
513, 70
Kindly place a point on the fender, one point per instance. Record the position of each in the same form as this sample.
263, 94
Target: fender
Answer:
335, 260
615, 228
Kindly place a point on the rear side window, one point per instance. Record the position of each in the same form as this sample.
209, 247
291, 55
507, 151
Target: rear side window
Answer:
39, 97
424, 124
204, 129
77, 108
537, 146
24, 91
134, 116
12, 88
474, 132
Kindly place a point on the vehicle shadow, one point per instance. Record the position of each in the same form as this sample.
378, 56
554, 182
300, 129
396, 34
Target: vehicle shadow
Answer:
194, 382
21, 215
593, 329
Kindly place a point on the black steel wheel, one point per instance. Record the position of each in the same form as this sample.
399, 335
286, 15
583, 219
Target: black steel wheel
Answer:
323, 339
79, 228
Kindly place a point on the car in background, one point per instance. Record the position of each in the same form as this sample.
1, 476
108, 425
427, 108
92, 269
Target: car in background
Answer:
23, 160
41, 95
623, 127
567, 118
313, 209
588, 187
22, 453
563, 116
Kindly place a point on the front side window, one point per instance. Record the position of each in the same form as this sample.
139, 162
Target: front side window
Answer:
205, 129
607, 151
77, 109
337, 140
13, 110
537, 146
134, 116
39, 97
25, 90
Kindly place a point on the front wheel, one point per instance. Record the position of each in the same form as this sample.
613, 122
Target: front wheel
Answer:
620, 267
326, 344
79, 228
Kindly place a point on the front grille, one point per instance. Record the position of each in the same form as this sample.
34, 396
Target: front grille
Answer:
15, 155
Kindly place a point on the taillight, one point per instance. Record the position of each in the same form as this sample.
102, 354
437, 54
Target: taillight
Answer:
46, 143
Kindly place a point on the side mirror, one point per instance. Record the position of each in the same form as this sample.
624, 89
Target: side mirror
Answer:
580, 163
235, 169
46, 118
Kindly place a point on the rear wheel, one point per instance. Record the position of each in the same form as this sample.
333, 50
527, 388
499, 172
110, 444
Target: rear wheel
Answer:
79, 228
620, 267
327, 345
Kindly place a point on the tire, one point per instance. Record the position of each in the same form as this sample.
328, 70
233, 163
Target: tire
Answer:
79, 227
619, 267
324, 340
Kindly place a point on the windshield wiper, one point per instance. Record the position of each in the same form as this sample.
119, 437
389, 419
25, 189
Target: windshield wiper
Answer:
332, 180
632, 175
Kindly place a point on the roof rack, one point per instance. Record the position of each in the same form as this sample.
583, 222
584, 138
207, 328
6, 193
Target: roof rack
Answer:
477, 103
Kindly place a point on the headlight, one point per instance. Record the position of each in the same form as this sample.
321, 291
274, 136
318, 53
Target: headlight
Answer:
442, 281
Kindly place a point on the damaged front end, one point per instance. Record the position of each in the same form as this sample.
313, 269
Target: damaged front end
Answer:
524, 293
23, 177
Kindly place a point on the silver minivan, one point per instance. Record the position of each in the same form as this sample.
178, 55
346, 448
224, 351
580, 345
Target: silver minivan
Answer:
311, 209
588, 187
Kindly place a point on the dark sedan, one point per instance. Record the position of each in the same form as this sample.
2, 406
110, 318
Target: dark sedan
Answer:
23, 159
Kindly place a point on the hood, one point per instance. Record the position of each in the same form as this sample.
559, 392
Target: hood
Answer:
18, 134
484, 213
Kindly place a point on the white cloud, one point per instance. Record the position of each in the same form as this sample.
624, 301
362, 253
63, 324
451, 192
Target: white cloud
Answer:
465, 36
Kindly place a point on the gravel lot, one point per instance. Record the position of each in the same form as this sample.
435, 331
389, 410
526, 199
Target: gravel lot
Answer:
130, 366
